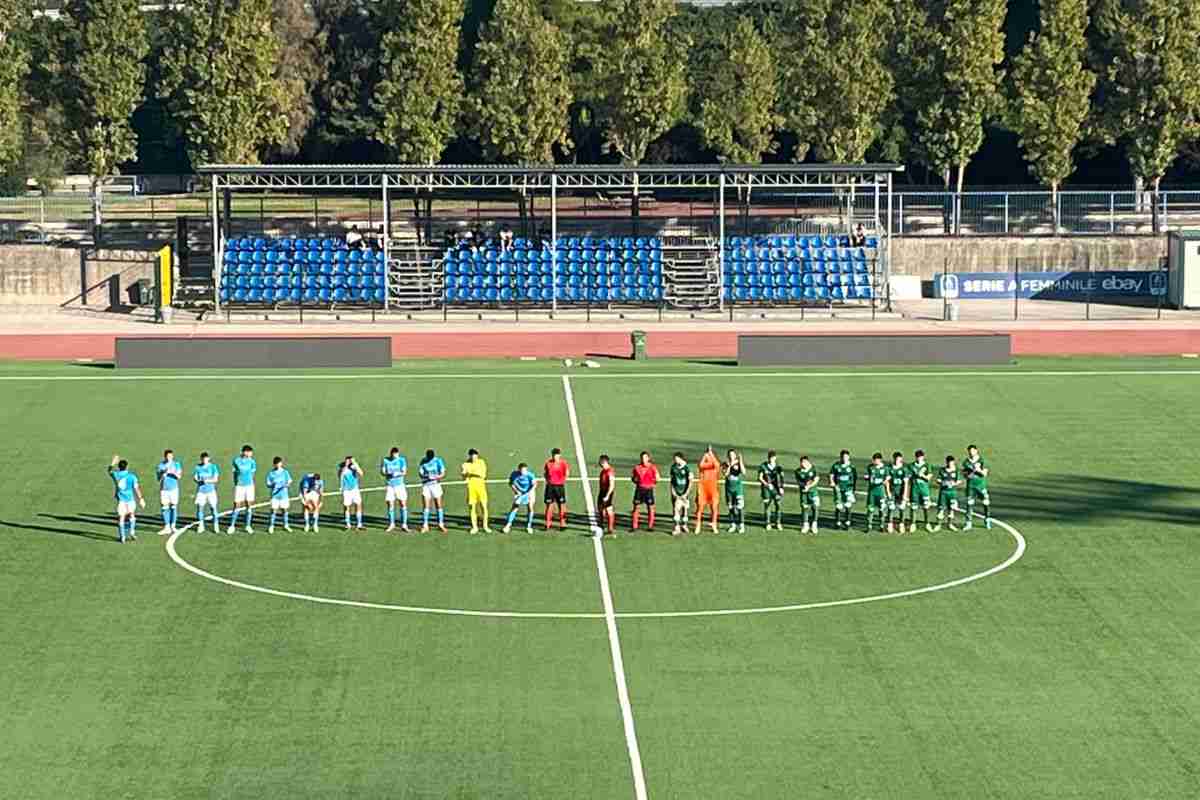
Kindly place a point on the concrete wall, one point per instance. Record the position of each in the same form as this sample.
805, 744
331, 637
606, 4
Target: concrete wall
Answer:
925, 255
50, 276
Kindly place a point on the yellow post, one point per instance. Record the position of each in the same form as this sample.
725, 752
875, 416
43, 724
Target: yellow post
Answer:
166, 273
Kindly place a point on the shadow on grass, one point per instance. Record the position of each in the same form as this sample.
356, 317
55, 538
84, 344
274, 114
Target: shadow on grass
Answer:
1083, 498
713, 362
107, 534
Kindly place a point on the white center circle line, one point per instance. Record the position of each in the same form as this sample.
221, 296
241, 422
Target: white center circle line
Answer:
1013, 558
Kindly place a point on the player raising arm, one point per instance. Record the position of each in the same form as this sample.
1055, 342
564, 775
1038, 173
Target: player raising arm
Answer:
244, 467
205, 475
770, 481
555, 472
735, 491
312, 490
168, 473
949, 479
897, 486
877, 499
810, 498
432, 471
681, 486
604, 502
645, 478
707, 491
350, 477
474, 472
920, 476
843, 477
279, 484
523, 484
393, 468
977, 471
128, 494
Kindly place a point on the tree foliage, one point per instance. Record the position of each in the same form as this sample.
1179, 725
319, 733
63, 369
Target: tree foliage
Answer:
420, 93
521, 86
640, 73
836, 85
737, 117
220, 80
966, 48
300, 68
351, 32
16, 17
1051, 90
104, 81
1150, 101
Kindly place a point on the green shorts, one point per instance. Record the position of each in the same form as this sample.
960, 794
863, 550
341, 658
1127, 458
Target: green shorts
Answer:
877, 499
843, 497
898, 501
771, 496
947, 501
920, 498
811, 500
979, 493
735, 501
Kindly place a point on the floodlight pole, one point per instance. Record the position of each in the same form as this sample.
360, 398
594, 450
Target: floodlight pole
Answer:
387, 246
218, 256
721, 242
554, 241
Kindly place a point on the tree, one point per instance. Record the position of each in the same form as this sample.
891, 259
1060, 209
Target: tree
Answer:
1150, 95
352, 33
641, 78
521, 90
104, 80
300, 67
16, 17
837, 85
966, 48
737, 115
1051, 93
220, 80
420, 92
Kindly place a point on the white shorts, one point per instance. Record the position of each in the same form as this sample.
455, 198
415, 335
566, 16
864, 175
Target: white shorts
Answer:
206, 499
431, 491
243, 494
523, 499
397, 494
124, 509
352, 497
281, 503
169, 497
311, 498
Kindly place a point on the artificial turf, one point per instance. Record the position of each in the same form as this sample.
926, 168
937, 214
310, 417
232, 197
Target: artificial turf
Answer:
1071, 674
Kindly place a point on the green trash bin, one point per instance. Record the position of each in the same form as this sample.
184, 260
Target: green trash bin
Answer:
638, 340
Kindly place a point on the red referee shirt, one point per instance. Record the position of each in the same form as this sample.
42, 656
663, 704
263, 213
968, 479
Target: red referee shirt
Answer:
556, 472
645, 476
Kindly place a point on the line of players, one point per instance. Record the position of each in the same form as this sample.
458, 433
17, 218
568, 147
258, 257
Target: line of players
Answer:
894, 491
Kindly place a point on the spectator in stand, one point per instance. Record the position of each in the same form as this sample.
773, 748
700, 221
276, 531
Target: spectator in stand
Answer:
506, 239
859, 237
354, 239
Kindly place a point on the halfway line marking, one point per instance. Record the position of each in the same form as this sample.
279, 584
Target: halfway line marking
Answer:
610, 619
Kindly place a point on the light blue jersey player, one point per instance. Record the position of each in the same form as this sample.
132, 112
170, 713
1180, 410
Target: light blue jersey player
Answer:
312, 490
168, 472
523, 484
205, 475
432, 471
128, 494
394, 468
350, 479
279, 481
244, 467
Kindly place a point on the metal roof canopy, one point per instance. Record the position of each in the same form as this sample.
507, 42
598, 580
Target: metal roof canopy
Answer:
516, 178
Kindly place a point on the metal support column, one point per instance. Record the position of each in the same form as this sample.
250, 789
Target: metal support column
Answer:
217, 255
887, 270
386, 240
721, 243
554, 241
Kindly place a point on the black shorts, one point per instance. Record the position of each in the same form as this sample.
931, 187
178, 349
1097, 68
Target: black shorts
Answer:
643, 496
556, 493
604, 503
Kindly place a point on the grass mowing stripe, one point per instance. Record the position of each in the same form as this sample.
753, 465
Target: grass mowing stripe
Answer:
610, 620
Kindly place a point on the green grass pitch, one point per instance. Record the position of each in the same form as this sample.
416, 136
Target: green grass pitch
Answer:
1070, 674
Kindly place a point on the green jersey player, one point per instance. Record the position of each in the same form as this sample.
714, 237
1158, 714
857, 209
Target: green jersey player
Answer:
877, 499
949, 479
770, 480
976, 470
897, 491
735, 491
920, 476
810, 498
842, 477
681, 484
